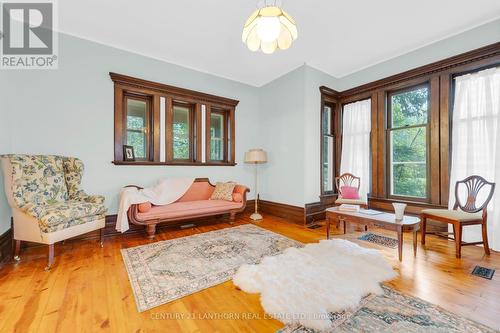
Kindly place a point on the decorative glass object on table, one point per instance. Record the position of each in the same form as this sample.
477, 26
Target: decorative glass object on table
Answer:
399, 210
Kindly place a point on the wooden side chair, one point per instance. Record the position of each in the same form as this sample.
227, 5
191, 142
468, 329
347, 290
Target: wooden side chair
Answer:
463, 214
349, 180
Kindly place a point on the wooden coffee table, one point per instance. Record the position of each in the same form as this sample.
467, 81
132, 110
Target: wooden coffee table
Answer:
383, 220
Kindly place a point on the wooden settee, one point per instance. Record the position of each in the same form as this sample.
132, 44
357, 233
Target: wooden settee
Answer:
195, 203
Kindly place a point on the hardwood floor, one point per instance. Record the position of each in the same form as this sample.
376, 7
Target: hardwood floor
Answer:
88, 288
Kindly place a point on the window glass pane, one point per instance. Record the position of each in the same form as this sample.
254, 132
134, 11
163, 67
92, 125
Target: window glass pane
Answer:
326, 121
137, 113
138, 141
181, 132
216, 137
410, 107
327, 163
409, 162
410, 180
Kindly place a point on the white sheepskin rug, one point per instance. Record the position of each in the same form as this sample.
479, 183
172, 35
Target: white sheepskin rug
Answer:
303, 285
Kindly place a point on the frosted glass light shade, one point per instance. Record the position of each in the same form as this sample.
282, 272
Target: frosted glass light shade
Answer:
257, 156
268, 29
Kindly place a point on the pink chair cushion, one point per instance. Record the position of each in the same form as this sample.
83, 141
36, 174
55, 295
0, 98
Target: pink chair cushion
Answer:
349, 192
144, 207
189, 208
237, 197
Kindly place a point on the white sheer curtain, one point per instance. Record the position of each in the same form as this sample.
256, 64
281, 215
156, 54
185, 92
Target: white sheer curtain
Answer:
476, 142
356, 127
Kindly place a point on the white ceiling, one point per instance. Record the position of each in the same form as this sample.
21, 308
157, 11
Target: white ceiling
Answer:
337, 37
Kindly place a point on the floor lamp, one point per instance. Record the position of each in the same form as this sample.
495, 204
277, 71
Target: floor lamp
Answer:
256, 156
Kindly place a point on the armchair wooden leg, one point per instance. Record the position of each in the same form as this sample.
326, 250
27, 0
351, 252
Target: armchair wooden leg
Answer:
458, 240
50, 260
151, 230
423, 228
486, 245
102, 237
17, 250
232, 217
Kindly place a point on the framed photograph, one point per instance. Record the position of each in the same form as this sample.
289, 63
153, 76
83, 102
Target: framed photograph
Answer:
128, 153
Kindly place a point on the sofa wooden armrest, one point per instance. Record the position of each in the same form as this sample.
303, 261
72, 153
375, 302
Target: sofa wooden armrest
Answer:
195, 203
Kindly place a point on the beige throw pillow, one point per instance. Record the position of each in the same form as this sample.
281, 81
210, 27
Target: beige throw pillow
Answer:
223, 191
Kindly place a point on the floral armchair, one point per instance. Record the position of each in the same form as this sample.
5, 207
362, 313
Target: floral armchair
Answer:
47, 202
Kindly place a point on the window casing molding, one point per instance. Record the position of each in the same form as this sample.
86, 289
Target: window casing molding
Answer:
158, 94
390, 128
330, 99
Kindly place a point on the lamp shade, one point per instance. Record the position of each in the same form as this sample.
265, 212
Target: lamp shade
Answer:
256, 156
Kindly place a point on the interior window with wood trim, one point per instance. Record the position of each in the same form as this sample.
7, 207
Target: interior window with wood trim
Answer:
182, 130
408, 140
138, 125
167, 125
328, 171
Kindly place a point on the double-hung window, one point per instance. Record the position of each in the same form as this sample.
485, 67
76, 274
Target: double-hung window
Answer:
182, 132
138, 125
327, 148
408, 139
218, 135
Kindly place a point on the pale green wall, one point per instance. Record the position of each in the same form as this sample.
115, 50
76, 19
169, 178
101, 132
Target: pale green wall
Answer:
5, 147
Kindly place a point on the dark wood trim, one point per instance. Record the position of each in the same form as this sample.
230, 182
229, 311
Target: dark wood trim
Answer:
444, 138
292, 213
161, 88
330, 98
180, 163
6, 247
169, 134
490, 53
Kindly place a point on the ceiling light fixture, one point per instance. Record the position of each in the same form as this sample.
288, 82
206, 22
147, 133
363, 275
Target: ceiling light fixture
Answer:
269, 28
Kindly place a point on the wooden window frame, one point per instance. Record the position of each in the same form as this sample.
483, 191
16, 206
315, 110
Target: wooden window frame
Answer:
331, 98
154, 92
148, 126
170, 132
332, 134
225, 140
389, 129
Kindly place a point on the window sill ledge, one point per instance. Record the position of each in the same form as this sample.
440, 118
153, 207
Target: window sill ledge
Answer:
146, 163
419, 204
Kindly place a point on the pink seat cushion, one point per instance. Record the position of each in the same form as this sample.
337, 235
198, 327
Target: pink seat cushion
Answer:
189, 208
349, 192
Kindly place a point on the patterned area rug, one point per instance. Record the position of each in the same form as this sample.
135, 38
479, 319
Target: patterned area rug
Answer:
395, 312
165, 271
380, 240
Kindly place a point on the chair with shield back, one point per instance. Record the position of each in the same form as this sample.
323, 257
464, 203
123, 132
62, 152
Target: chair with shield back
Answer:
348, 186
472, 196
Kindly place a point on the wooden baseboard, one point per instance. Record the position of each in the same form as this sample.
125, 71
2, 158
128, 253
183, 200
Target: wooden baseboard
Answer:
293, 214
5, 247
